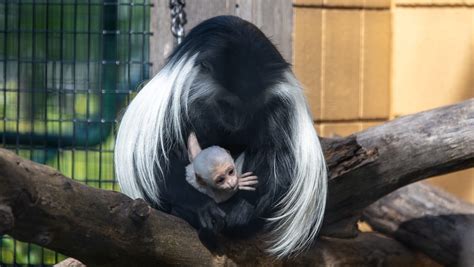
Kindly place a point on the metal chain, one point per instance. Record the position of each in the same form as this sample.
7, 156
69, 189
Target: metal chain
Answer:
178, 19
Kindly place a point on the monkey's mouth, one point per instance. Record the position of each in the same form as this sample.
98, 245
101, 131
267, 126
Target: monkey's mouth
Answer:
232, 188
227, 190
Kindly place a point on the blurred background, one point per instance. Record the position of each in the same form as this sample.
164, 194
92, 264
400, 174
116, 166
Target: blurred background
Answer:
69, 67
66, 69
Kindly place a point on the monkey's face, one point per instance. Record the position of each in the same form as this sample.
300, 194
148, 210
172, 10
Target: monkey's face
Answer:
240, 77
214, 168
231, 112
225, 177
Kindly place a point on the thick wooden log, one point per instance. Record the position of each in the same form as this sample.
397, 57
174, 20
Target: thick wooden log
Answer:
39, 205
387, 157
93, 225
428, 219
105, 228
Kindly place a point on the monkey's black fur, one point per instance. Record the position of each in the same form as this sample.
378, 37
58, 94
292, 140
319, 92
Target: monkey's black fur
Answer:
229, 85
242, 117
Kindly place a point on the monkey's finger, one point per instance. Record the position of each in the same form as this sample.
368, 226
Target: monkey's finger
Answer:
248, 188
246, 174
204, 221
248, 183
218, 212
250, 178
217, 219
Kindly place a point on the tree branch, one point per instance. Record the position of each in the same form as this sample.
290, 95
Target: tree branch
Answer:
428, 219
387, 157
107, 228
39, 205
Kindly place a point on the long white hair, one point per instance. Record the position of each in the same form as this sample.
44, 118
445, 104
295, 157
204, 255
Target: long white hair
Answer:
300, 212
153, 124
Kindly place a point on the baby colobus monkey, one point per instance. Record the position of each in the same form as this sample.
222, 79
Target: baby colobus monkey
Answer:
213, 172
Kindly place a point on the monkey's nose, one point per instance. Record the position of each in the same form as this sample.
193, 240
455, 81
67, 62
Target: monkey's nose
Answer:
235, 184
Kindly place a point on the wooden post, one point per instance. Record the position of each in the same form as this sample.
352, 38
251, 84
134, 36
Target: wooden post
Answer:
273, 17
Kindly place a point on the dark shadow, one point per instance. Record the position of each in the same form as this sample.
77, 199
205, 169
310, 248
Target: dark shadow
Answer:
449, 239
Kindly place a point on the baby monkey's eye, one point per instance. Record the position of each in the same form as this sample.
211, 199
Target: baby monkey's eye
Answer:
220, 180
231, 171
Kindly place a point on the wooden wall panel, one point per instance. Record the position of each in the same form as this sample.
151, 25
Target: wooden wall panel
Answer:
308, 55
444, 3
434, 58
273, 17
341, 73
344, 3
343, 59
377, 65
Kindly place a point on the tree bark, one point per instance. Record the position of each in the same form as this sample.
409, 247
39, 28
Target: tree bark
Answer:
98, 227
428, 219
387, 157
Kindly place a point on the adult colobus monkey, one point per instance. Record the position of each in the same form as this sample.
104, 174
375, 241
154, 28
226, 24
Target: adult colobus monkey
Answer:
227, 83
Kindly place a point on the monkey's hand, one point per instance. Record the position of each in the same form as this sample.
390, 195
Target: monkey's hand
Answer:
211, 217
212, 221
248, 181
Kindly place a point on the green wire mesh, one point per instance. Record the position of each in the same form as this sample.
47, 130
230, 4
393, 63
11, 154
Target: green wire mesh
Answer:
67, 69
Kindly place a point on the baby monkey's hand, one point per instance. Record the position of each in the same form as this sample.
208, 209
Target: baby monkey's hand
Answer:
248, 181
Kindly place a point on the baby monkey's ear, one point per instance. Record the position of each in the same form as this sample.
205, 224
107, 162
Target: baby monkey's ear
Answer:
193, 147
200, 180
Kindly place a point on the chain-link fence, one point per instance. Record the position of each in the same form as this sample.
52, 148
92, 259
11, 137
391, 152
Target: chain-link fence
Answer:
67, 68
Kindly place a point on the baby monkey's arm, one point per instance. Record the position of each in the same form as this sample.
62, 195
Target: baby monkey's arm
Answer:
248, 181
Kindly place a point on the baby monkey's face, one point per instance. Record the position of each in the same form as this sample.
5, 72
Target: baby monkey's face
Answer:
224, 177
215, 168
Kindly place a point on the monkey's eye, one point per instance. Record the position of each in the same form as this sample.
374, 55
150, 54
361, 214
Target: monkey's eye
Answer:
231, 171
220, 180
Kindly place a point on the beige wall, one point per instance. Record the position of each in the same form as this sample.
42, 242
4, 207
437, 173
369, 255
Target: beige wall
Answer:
433, 57
363, 62
434, 66
339, 56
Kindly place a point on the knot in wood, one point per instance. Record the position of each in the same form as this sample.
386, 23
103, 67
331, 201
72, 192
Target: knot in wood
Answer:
140, 210
7, 221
